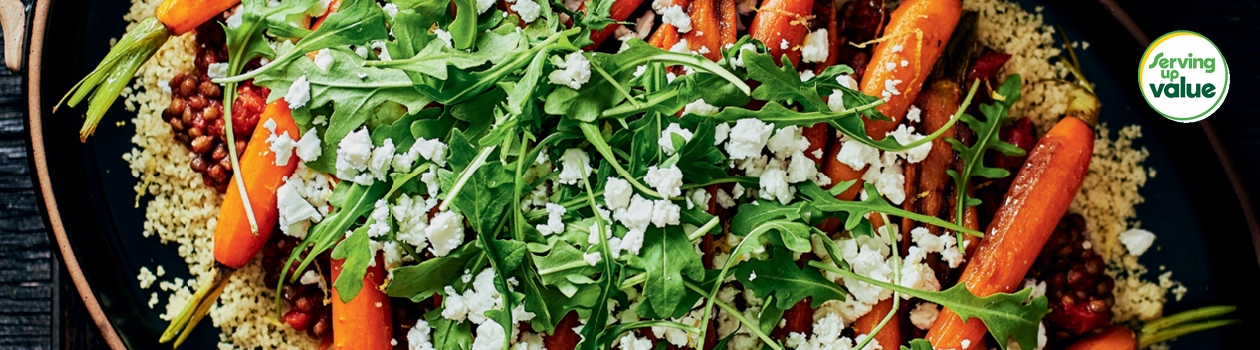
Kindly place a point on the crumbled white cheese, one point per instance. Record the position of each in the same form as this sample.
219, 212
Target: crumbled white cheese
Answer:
411, 213
324, 59
418, 336
738, 59
724, 199
1137, 240
806, 75
576, 164
676, 16
720, 133
857, 155
527, 9
924, 315
667, 136
295, 213
816, 46
784, 44
631, 342
445, 37
234, 21
787, 141
592, 258
555, 220
632, 242
382, 159
748, 138
847, 81
638, 71
217, 70
774, 184
905, 135
490, 336
380, 219
914, 114
299, 93
617, 193
577, 71
282, 145
309, 148
680, 47
445, 232
484, 5
667, 181
699, 107
665, 213
354, 152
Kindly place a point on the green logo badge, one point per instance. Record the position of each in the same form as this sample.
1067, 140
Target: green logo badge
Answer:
1183, 76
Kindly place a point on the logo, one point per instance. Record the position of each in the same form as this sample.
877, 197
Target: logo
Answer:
1183, 76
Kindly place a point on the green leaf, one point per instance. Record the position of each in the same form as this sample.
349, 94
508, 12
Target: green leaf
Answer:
918, 344
987, 137
449, 334
350, 201
464, 29
780, 83
434, 57
1006, 315
563, 261
700, 161
356, 22
779, 276
667, 257
874, 203
357, 254
351, 96
430, 277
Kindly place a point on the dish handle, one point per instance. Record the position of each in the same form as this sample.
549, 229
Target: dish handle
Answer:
14, 20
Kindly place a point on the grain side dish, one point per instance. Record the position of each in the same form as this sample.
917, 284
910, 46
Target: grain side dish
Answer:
716, 174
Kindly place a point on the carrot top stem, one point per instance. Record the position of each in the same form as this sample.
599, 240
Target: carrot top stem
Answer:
109, 78
197, 307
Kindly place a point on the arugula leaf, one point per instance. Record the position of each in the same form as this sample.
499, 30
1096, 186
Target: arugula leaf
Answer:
464, 29
356, 253
350, 202
874, 203
351, 96
422, 281
667, 256
779, 276
461, 85
449, 334
987, 137
434, 57
563, 261
780, 83
699, 160
1006, 315
918, 344
355, 22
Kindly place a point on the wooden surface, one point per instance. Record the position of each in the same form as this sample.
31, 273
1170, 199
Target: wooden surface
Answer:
39, 309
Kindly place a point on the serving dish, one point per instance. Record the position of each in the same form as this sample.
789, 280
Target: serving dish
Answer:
89, 204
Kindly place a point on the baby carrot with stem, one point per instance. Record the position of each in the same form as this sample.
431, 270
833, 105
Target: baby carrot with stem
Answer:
234, 243
1039, 197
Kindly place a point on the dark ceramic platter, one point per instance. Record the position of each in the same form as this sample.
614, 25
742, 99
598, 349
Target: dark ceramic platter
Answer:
1203, 236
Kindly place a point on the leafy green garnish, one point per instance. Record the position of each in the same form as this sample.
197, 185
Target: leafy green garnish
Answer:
1006, 315
114, 72
779, 276
987, 137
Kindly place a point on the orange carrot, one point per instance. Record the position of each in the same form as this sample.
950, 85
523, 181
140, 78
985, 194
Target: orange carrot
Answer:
1038, 198
665, 37
728, 22
890, 336
827, 11
705, 35
181, 16
916, 35
365, 322
1116, 338
782, 25
620, 11
234, 243
926, 181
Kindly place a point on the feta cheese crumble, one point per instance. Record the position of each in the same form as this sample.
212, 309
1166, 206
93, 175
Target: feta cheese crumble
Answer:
816, 46
323, 59
667, 136
445, 37
677, 17
299, 93
1137, 241
575, 165
527, 9
748, 138
354, 152
577, 71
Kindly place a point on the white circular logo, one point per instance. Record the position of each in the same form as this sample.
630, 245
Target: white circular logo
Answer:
1183, 76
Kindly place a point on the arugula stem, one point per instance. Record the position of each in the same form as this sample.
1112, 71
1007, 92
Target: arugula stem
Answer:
700, 232
693, 61
726, 180
599, 313
463, 177
652, 100
229, 97
654, 323
593, 136
962, 178
633, 280
620, 89
735, 313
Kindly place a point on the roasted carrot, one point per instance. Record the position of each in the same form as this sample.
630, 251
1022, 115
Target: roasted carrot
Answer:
915, 37
728, 22
1116, 338
827, 11
181, 16
1038, 198
620, 11
365, 321
705, 35
926, 181
782, 25
234, 244
890, 336
665, 37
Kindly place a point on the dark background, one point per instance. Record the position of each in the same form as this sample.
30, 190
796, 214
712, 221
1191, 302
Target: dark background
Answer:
40, 309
